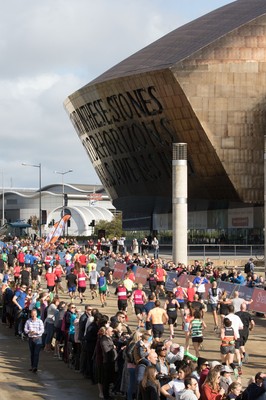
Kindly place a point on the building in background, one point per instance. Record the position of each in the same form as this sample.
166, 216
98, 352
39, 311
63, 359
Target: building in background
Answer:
203, 84
87, 204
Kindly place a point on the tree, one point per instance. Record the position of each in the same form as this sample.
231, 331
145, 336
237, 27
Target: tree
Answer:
112, 228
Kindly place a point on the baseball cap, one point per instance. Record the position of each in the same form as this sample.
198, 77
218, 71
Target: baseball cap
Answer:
214, 364
225, 368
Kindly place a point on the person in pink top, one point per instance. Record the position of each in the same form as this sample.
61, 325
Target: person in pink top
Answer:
139, 298
82, 276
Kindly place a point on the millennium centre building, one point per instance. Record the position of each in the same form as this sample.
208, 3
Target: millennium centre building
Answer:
203, 84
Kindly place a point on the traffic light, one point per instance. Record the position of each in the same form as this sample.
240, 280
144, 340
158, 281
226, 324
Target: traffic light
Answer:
92, 223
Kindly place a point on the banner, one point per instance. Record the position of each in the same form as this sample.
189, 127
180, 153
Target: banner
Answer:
141, 275
259, 300
245, 292
170, 282
119, 270
56, 231
228, 287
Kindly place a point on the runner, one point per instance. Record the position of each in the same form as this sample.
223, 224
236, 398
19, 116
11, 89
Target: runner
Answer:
139, 298
214, 296
102, 283
59, 272
158, 318
72, 282
160, 278
93, 277
180, 295
82, 276
197, 325
171, 306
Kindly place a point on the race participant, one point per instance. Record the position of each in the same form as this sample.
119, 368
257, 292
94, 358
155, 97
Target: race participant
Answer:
227, 348
122, 296
82, 276
147, 307
47, 260
248, 325
214, 295
50, 279
152, 280
196, 330
160, 278
180, 295
187, 318
158, 317
139, 298
93, 277
102, 284
58, 271
72, 282
236, 325
129, 284
238, 301
17, 271
190, 291
171, 306
83, 259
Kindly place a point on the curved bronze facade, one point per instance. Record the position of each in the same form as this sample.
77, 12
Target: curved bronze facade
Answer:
203, 84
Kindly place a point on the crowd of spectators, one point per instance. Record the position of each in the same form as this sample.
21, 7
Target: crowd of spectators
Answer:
139, 363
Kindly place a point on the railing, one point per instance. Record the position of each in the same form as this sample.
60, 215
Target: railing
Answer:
220, 250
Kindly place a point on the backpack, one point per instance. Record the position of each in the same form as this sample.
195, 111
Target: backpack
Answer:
247, 268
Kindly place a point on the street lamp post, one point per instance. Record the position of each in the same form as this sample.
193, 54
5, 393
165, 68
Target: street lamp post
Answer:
40, 192
63, 187
3, 200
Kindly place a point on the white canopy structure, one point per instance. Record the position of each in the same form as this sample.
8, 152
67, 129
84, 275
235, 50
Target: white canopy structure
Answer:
81, 218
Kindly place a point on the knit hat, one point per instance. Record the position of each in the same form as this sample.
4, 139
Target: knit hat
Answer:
202, 361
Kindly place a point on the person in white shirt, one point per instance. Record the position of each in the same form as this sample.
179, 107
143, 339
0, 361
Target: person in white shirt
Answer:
191, 391
93, 277
237, 324
34, 328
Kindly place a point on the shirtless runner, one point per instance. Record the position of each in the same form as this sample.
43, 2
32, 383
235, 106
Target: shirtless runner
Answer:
158, 317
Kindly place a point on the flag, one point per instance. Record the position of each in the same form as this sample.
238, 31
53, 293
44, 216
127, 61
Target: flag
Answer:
56, 231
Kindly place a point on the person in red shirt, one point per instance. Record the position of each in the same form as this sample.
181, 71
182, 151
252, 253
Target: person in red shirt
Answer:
21, 258
211, 389
47, 260
190, 291
160, 278
50, 279
83, 259
17, 271
58, 271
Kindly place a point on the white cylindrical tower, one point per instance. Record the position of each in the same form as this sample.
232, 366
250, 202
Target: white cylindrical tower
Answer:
179, 202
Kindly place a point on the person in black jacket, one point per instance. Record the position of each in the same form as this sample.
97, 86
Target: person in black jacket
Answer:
149, 387
257, 389
109, 355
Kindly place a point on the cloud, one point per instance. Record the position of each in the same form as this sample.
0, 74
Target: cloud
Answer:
51, 48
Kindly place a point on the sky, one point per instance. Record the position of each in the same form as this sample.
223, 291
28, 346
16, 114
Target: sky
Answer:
49, 49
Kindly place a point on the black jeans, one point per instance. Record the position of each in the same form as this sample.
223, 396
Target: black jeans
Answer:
35, 345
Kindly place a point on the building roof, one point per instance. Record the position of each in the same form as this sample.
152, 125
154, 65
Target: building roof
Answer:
186, 40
